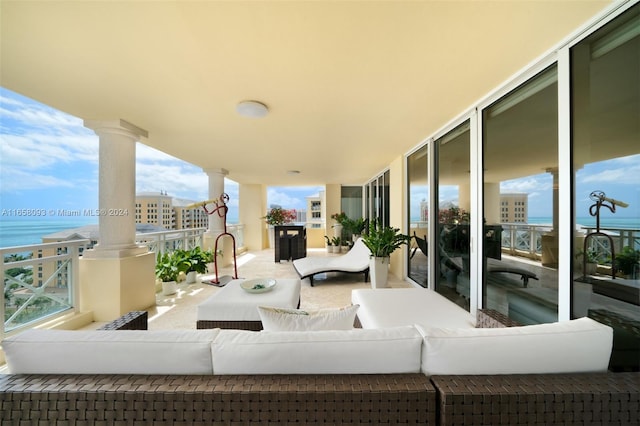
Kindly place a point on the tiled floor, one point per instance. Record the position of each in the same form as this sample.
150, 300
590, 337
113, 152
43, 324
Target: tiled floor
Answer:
329, 290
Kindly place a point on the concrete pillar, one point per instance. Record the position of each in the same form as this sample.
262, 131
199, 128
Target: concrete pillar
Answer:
117, 275
252, 208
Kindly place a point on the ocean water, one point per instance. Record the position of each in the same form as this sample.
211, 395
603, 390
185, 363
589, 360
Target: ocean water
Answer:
26, 231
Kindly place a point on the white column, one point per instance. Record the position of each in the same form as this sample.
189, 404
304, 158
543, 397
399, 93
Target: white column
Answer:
117, 189
216, 188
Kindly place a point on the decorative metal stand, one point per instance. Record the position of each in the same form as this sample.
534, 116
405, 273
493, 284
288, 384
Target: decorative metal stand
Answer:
601, 199
221, 209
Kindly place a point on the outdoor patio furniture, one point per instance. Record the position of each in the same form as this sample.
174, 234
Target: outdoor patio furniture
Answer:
355, 261
233, 307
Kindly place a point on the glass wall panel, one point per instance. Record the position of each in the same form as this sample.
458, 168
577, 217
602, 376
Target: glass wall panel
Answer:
418, 200
377, 198
605, 106
520, 202
453, 239
351, 205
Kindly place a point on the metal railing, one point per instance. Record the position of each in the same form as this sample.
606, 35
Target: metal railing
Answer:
41, 281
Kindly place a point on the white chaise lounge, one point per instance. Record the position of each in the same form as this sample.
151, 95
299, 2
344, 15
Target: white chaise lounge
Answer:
355, 261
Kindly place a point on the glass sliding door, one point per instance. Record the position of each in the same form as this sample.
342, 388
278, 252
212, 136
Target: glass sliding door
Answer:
453, 229
605, 109
520, 201
418, 203
377, 199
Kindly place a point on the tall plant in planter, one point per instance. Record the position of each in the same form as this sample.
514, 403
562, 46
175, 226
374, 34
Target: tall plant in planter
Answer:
382, 241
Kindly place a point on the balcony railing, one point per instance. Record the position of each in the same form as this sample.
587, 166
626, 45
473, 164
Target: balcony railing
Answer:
41, 280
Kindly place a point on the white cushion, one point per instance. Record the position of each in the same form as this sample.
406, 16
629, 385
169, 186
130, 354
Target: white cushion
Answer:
355, 260
581, 345
384, 351
279, 319
110, 352
394, 307
232, 303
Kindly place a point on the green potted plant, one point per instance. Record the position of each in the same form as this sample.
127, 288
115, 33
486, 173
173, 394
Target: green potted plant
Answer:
355, 227
196, 261
168, 268
382, 241
590, 259
627, 262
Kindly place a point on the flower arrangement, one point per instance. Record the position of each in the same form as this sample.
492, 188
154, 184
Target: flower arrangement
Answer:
453, 215
280, 216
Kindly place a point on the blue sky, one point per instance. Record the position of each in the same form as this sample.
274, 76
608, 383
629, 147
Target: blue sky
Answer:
49, 160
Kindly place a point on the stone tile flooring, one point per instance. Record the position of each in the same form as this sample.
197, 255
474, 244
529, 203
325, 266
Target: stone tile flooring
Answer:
330, 290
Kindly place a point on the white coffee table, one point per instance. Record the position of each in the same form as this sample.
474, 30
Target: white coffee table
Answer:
233, 307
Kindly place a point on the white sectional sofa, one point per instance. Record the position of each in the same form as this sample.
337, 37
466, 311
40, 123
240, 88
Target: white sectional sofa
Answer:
581, 345
387, 375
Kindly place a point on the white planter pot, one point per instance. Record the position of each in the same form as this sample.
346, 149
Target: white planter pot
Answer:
271, 232
191, 277
379, 272
337, 230
169, 288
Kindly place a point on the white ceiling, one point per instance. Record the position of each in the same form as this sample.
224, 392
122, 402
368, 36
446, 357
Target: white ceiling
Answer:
351, 85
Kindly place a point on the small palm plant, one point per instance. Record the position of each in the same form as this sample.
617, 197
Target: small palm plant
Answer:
383, 240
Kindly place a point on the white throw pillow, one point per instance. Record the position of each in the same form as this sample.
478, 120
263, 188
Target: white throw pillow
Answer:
281, 319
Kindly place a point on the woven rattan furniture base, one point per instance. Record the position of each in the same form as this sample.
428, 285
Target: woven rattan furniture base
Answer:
237, 325
546, 399
134, 320
206, 400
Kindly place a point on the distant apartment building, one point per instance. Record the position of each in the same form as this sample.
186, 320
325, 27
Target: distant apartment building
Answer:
514, 207
314, 216
158, 208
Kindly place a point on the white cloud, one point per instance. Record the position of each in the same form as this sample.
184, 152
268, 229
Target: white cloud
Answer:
177, 179
621, 175
18, 180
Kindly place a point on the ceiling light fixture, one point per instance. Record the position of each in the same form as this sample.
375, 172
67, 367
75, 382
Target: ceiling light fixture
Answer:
252, 109
293, 172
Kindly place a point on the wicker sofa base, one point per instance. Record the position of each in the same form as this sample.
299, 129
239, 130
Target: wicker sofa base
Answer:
548, 399
206, 400
236, 325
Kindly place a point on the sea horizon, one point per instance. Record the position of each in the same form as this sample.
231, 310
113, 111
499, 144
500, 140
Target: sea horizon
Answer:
15, 232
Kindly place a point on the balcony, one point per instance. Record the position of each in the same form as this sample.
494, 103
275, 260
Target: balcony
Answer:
31, 302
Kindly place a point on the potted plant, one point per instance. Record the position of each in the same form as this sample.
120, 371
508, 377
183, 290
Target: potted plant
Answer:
278, 216
590, 259
627, 262
195, 261
355, 227
340, 219
382, 241
168, 268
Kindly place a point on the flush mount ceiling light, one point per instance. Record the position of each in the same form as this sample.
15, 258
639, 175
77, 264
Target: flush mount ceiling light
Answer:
293, 172
252, 109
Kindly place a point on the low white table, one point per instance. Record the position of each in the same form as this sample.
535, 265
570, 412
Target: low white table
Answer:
233, 307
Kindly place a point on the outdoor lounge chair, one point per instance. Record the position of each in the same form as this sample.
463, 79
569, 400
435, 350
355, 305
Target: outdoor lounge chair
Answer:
354, 261
494, 266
